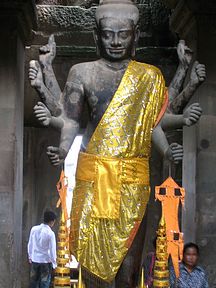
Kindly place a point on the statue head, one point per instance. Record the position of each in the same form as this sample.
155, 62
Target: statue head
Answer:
117, 29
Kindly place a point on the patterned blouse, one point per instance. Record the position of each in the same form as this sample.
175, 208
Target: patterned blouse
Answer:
195, 279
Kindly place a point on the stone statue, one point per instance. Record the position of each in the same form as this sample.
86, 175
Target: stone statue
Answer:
126, 101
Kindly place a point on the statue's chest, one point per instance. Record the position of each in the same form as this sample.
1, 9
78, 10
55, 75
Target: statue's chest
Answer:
102, 89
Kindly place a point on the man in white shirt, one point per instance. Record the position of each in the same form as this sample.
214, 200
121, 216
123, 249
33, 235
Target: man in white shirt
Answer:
42, 252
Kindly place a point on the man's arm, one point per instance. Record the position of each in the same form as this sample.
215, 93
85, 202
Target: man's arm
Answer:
52, 248
205, 281
30, 247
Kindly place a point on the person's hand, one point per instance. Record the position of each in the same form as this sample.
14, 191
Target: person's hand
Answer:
192, 114
35, 74
56, 155
42, 113
175, 153
48, 52
198, 74
30, 261
184, 53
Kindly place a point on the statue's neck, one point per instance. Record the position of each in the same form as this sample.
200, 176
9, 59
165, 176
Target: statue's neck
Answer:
116, 65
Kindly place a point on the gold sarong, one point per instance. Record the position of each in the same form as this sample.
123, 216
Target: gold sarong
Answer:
112, 179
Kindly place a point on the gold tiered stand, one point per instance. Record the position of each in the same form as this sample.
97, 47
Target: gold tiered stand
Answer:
161, 270
62, 273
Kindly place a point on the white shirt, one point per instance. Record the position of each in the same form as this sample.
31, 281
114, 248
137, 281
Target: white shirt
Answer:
42, 245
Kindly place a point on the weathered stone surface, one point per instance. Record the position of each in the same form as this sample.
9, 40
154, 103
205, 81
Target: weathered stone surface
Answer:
84, 3
60, 18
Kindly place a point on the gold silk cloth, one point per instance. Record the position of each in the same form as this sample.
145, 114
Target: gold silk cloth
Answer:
112, 178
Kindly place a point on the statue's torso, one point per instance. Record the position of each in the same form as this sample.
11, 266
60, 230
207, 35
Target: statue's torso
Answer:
99, 83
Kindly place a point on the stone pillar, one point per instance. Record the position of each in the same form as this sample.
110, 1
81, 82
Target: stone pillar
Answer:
14, 31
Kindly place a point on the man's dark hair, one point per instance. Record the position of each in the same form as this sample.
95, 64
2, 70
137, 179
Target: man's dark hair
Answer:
49, 216
191, 245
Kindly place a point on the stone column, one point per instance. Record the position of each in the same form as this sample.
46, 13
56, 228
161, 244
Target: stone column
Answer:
15, 24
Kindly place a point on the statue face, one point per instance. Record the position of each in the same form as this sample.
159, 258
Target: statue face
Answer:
116, 38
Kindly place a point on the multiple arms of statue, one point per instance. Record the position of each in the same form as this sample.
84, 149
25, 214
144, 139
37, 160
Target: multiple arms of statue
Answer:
67, 119
52, 110
197, 77
73, 101
178, 100
185, 57
46, 57
170, 121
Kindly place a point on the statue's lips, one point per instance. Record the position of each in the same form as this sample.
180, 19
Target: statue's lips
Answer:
116, 50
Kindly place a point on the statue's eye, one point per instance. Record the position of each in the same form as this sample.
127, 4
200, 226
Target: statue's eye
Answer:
124, 34
107, 34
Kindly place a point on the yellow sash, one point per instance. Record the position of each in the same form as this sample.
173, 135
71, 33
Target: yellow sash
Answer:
108, 174
112, 186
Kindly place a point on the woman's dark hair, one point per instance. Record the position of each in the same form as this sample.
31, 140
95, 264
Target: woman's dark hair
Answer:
49, 216
190, 245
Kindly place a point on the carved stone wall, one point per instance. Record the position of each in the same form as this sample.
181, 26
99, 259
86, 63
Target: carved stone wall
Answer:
83, 3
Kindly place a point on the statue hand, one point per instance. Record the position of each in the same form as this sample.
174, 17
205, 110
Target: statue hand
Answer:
35, 74
48, 52
42, 113
198, 74
192, 114
184, 54
56, 155
175, 153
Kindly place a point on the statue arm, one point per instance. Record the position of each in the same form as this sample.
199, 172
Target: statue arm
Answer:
173, 152
44, 116
69, 131
184, 56
46, 57
36, 80
177, 82
190, 117
198, 75
170, 121
73, 101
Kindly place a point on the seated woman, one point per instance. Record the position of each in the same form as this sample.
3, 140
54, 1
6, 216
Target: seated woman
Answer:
191, 275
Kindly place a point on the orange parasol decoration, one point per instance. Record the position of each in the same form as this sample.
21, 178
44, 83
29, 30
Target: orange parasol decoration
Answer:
170, 195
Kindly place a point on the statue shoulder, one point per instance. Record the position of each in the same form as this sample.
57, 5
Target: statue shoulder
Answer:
150, 69
80, 70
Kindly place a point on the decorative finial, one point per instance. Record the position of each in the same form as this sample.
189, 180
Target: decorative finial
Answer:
142, 281
80, 282
161, 271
